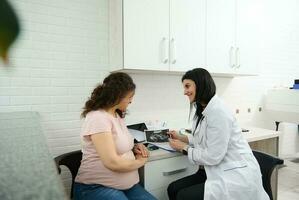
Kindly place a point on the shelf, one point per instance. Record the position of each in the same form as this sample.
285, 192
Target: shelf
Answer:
137, 71
286, 100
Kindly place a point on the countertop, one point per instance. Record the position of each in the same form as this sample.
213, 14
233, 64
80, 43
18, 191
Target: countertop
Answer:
254, 134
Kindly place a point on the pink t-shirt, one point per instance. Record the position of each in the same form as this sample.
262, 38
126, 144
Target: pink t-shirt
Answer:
92, 169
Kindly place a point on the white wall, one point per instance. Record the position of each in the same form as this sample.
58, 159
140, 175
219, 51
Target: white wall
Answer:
59, 57
62, 54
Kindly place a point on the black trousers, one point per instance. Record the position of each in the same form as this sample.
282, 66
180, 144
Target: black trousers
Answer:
188, 188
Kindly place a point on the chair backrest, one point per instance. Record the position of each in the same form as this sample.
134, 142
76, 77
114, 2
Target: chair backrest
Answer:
267, 165
72, 161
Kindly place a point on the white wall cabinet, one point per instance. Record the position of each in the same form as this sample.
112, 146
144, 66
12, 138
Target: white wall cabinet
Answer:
233, 43
248, 36
178, 35
220, 35
157, 34
187, 34
146, 34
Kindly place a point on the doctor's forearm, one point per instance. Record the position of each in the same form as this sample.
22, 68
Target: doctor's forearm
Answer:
184, 138
204, 157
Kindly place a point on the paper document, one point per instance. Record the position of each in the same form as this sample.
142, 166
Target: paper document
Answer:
138, 135
163, 145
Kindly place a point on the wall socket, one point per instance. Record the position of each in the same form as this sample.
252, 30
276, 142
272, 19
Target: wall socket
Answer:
248, 110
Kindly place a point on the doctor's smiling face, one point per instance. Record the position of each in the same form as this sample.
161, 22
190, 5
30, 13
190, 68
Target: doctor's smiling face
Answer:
189, 89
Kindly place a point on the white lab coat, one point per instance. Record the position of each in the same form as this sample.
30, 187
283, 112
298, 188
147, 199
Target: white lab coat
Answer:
232, 171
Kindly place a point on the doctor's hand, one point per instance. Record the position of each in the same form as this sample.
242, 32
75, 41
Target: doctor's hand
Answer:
139, 148
173, 134
177, 144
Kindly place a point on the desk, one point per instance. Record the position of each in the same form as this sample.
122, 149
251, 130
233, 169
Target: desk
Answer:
165, 167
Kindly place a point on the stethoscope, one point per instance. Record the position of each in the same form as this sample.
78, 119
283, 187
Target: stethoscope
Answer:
196, 126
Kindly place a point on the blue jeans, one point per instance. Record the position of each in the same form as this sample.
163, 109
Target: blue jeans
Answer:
96, 192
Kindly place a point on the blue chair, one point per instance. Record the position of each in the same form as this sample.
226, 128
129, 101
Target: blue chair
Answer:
267, 165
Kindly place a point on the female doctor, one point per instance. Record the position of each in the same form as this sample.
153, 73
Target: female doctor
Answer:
216, 144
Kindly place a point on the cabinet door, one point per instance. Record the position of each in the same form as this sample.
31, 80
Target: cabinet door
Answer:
146, 34
220, 35
166, 171
249, 16
187, 34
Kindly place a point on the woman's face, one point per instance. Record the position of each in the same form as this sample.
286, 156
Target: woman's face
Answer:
124, 103
189, 89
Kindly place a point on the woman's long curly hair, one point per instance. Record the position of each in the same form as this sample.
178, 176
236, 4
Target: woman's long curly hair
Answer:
108, 94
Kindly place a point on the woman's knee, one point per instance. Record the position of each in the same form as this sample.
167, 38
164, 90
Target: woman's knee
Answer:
137, 192
94, 192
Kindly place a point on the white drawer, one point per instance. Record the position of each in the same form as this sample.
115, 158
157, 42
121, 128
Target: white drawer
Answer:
160, 173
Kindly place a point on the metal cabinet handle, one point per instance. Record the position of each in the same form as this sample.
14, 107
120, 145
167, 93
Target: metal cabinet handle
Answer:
168, 173
164, 50
238, 58
173, 51
231, 62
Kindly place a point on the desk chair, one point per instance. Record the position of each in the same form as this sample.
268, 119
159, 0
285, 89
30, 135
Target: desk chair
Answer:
72, 161
267, 165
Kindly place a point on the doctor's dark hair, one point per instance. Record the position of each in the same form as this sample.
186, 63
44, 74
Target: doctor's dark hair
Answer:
108, 94
205, 87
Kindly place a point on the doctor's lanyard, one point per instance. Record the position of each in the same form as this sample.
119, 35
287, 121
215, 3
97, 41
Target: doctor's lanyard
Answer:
202, 117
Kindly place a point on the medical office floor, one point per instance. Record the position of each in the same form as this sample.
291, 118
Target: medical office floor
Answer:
288, 176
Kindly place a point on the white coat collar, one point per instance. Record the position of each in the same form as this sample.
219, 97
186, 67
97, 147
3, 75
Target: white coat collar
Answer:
210, 105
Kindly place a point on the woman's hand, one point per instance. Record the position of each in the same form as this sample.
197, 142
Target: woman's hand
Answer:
140, 158
177, 144
140, 149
